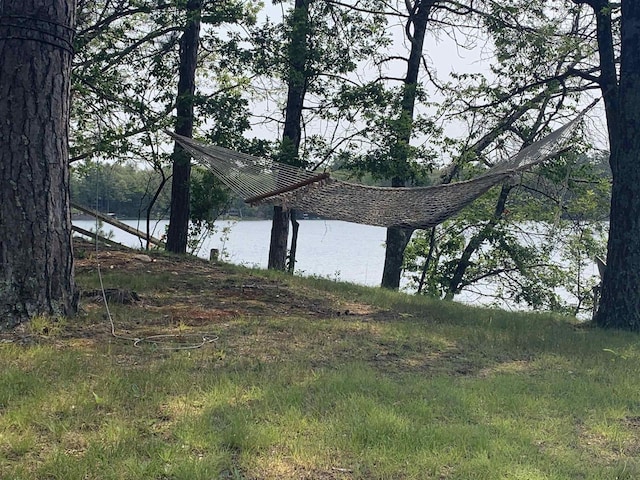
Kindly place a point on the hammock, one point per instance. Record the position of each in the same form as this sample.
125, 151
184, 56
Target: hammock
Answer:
258, 180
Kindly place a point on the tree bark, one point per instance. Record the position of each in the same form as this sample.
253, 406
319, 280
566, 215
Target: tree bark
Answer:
36, 252
178, 232
396, 243
297, 87
620, 301
398, 238
279, 239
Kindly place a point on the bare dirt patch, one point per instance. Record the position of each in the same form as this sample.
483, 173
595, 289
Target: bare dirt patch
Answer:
186, 293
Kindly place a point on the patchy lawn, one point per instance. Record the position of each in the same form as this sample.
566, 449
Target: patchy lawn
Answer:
203, 371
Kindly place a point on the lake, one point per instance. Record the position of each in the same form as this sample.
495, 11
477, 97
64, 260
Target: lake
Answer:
326, 248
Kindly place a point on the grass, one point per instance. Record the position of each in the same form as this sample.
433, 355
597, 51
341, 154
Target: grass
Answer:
312, 379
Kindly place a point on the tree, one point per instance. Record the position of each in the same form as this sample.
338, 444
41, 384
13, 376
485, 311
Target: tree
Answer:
314, 53
543, 82
36, 49
128, 57
532, 85
123, 77
522, 243
392, 155
189, 42
432, 16
620, 301
398, 238
297, 82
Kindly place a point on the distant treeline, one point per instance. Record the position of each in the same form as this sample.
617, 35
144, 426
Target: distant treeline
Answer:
126, 190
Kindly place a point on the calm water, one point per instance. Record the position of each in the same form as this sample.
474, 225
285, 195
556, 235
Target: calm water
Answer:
327, 248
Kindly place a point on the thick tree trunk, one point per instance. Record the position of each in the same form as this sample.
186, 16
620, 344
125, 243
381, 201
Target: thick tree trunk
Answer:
279, 239
620, 300
292, 134
178, 232
397, 241
36, 254
398, 238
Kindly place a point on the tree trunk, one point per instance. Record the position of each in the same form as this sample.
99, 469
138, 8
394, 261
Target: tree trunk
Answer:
297, 87
397, 241
152, 203
178, 232
295, 228
620, 301
398, 238
428, 259
279, 239
36, 252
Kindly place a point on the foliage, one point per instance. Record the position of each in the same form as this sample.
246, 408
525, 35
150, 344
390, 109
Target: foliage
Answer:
209, 200
124, 92
124, 71
384, 127
530, 85
548, 234
120, 86
340, 42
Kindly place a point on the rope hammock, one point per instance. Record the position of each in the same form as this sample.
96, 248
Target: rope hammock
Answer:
259, 180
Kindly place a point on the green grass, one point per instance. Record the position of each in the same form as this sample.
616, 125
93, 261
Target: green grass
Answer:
409, 389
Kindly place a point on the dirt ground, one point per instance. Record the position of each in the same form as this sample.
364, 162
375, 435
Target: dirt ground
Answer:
162, 293
212, 283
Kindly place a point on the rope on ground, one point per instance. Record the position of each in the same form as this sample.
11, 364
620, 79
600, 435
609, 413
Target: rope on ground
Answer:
158, 341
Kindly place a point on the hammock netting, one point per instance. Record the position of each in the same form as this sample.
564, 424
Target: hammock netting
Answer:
259, 180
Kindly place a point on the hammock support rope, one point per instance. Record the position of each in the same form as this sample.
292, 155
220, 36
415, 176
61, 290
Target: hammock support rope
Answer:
259, 180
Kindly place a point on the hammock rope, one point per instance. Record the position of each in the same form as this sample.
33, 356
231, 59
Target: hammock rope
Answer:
259, 180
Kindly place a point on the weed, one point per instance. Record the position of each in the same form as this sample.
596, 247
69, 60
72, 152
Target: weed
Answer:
46, 325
